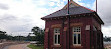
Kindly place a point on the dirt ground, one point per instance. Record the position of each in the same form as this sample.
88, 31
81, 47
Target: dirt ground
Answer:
19, 46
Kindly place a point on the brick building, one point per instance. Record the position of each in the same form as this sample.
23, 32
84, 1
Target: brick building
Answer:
80, 29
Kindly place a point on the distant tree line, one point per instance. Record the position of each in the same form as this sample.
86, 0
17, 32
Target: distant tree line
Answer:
31, 38
106, 39
3, 35
38, 32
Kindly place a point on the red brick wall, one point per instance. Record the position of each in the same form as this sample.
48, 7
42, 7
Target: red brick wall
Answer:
85, 35
98, 36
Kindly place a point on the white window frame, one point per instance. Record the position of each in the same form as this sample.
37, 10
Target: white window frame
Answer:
58, 33
76, 32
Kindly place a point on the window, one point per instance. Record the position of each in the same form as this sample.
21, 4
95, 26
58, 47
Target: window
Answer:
57, 36
76, 35
94, 28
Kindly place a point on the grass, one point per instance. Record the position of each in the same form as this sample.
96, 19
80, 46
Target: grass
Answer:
35, 46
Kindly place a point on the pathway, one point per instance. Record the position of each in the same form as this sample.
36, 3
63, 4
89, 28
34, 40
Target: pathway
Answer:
19, 46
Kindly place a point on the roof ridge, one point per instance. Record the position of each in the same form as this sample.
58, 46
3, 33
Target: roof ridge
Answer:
71, 1
64, 8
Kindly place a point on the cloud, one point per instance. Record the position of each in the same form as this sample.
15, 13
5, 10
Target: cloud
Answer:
19, 16
106, 31
104, 10
3, 6
51, 4
23, 15
13, 24
104, 7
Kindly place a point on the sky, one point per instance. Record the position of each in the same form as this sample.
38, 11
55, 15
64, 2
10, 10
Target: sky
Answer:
17, 17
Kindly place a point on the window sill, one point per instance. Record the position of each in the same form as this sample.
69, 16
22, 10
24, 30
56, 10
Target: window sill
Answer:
56, 46
76, 46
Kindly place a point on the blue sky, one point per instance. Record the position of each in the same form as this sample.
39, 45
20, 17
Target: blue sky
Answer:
90, 2
87, 1
19, 16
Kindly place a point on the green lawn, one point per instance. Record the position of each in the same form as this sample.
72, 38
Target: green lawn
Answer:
35, 47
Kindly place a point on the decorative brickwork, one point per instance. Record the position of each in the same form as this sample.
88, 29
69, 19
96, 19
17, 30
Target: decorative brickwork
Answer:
56, 26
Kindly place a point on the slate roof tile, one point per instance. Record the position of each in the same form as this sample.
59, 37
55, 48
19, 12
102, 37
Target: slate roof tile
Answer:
72, 11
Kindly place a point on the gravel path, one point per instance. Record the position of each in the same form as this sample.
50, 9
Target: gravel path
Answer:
19, 46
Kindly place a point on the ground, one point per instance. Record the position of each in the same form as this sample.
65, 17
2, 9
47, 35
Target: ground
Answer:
18, 46
35, 46
107, 45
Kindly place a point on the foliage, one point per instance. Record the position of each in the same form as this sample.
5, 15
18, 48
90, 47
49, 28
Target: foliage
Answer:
35, 47
9, 37
31, 38
3, 35
19, 38
105, 48
39, 34
107, 39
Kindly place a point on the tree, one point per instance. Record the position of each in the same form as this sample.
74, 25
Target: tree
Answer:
39, 34
3, 35
31, 38
107, 38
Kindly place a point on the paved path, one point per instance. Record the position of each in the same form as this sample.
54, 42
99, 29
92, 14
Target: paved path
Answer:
1, 43
107, 45
19, 46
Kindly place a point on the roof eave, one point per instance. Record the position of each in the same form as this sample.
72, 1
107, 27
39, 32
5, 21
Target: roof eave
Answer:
44, 18
99, 18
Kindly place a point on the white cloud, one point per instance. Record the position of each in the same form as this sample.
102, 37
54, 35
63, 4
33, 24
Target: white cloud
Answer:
58, 1
106, 31
22, 15
3, 6
51, 3
103, 10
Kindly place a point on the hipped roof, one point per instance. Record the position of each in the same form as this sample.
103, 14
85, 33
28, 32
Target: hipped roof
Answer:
75, 10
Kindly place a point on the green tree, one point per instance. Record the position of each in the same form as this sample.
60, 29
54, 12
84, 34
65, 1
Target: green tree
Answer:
39, 34
3, 35
107, 39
